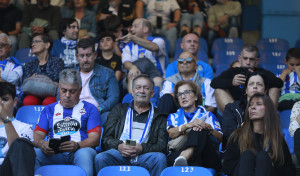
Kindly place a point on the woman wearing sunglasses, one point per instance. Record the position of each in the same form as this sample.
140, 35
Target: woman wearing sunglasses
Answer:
203, 128
258, 147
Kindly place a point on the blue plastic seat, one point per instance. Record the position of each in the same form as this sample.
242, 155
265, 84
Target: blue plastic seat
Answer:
272, 57
274, 68
29, 114
285, 117
288, 138
24, 55
273, 44
228, 44
220, 68
188, 171
297, 44
60, 170
123, 171
225, 57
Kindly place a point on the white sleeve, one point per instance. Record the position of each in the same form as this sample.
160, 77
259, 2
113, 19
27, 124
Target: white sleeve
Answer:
26, 132
210, 99
13, 76
161, 47
174, 5
126, 55
167, 88
294, 124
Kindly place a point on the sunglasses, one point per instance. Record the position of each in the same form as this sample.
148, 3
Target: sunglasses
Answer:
188, 60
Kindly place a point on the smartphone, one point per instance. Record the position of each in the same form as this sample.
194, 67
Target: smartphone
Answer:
159, 22
54, 143
130, 142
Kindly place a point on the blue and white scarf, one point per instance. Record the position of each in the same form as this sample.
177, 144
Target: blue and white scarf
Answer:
126, 134
70, 43
177, 120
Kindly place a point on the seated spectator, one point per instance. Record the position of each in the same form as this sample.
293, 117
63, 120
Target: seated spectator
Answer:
187, 68
17, 155
258, 147
193, 16
146, 130
10, 17
233, 115
294, 128
10, 68
40, 18
230, 84
99, 83
113, 24
124, 9
190, 43
43, 65
107, 57
141, 48
291, 82
159, 15
69, 116
85, 18
223, 20
65, 48
201, 147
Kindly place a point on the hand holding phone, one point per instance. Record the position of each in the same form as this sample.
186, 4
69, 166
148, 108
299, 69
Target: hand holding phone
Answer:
130, 142
54, 143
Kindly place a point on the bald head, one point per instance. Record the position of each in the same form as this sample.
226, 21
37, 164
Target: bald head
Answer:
187, 63
190, 43
141, 27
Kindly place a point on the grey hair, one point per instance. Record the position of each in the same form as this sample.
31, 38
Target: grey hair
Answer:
70, 76
5, 35
145, 77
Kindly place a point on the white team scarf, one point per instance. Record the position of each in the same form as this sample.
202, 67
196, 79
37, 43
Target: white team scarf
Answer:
126, 134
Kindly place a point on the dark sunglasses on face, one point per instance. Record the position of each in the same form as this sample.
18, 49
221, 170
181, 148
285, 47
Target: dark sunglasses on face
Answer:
188, 60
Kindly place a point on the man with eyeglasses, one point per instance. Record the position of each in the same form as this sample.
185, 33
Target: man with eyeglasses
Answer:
10, 68
99, 84
187, 68
230, 84
191, 43
65, 47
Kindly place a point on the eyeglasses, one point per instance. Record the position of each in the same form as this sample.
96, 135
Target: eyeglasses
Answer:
73, 27
188, 60
37, 41
185, 93
2, 45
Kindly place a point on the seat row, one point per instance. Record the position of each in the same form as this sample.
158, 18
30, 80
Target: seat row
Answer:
71, 170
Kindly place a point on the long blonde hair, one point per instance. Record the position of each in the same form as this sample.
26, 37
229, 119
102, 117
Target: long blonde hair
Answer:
272, 137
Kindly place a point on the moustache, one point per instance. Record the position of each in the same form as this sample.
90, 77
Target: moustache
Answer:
141, 94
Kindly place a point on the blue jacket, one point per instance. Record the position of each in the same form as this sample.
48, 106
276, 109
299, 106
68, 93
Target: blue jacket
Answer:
204, 69
104, 87
88, 21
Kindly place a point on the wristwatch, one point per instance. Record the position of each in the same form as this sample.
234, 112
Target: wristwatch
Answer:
8, 119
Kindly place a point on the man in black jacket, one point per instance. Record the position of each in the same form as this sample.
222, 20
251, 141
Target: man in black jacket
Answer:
135, 133
230, 84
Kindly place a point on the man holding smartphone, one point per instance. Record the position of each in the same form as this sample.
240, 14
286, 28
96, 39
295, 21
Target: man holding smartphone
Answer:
135, 133
69, 116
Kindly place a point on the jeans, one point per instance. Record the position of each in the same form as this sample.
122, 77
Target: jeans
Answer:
83, 158
154, 162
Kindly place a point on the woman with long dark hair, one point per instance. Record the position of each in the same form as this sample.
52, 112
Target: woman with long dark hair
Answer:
258, 147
